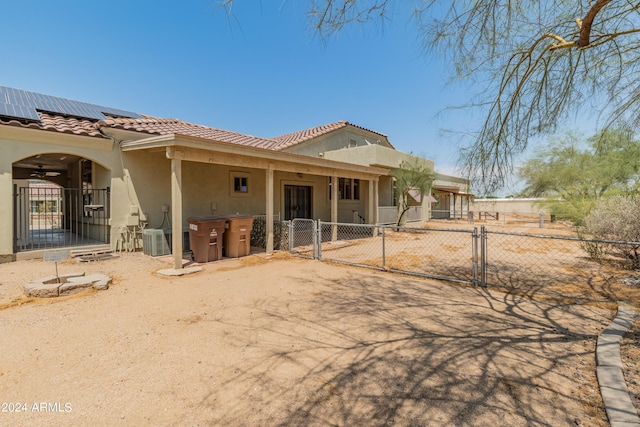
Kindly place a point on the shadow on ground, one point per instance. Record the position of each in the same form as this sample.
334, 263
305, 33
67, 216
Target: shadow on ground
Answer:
398, 351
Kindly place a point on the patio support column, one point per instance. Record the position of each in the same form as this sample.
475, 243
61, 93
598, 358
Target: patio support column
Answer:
376, 200
176, 206
373, 204
269, 213
334, 206
452, 205
372, 207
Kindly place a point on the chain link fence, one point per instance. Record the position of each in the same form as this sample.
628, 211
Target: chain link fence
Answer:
498, 218
528, 263
408, 250
525, 219
515, 261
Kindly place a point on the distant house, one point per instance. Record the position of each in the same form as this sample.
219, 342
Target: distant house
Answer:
116, 172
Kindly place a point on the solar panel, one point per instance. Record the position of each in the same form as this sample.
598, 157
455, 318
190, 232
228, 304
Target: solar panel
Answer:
19, 111
24, 105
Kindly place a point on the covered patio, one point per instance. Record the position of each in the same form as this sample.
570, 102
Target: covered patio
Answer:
179, 149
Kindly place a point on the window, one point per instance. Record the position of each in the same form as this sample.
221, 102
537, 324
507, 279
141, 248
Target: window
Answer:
240, 183
37, 206
348, 189
344, 189
44, 206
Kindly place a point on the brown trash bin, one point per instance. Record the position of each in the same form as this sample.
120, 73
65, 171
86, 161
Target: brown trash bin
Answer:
237, 236
205, 238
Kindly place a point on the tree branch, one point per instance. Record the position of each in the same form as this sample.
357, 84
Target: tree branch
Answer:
587, 22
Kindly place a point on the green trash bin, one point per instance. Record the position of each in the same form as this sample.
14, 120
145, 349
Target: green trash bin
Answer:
237, 236
205, 238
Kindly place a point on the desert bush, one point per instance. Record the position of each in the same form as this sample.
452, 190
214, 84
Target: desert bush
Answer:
616, 218
594, 249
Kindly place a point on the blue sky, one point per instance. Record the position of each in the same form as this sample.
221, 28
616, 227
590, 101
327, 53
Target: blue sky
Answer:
262, 72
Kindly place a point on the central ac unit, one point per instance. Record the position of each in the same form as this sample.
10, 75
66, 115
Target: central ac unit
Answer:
157, 242
154, 242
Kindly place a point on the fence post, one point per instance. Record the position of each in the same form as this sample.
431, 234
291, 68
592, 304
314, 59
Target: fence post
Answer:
107, 203
383, 248
290, 225
470, 217
541, 219
318, 235
474, 256
483, 255
314, 240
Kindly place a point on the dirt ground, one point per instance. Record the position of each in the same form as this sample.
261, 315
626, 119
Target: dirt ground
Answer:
276, 341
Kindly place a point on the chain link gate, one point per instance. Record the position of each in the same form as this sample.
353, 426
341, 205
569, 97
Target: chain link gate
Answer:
303, 238
444, 254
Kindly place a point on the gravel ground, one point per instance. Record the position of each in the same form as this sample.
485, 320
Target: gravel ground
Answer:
279, 341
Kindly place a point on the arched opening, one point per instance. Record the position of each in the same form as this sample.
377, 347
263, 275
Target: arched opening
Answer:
61, 200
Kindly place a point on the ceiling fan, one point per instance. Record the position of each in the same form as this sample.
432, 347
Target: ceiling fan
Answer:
41, 173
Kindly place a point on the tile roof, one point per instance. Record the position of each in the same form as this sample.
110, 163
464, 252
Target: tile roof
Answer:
294, 138
56, 123
159, 126
147, 124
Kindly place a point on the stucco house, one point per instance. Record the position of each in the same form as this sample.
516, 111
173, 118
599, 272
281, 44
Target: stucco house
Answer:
119, 171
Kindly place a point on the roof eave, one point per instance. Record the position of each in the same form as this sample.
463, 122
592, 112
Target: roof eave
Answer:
186, 141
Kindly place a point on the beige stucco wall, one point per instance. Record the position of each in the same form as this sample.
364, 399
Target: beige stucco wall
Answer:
507, 205
336, 140
376, 155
